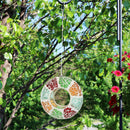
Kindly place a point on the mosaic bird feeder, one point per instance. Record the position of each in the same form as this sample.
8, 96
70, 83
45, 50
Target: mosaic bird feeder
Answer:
49, 103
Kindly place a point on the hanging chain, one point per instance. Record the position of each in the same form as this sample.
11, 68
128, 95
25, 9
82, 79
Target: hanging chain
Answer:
63, 4
62, 36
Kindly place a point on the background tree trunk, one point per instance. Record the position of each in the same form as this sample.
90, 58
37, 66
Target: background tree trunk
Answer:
5, 70
9, 11
6, 67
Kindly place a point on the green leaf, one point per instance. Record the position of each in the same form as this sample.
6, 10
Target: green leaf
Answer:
0, 84
38, 4
1, 101
7, 56
14, 103
15, 27
65, 43
19, 3
89, 123
4, 103
80, 127
70, 14
101, 72
9, 2
3, 28
111, 39
126, 4
0, 74
9, 20
112, 11
43, 12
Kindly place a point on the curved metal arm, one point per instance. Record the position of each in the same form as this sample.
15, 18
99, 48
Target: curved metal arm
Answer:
64, 3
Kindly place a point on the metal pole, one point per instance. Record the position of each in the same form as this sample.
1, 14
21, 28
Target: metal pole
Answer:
119, 40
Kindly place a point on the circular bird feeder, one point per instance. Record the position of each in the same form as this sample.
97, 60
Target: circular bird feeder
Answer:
54, 106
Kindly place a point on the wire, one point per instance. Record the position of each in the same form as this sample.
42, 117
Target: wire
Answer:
62, 36
63, 4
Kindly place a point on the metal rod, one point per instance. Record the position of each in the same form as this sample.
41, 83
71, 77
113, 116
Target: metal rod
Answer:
118, 21
119, 40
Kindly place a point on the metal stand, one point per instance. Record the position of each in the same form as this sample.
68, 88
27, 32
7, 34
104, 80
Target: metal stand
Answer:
119, 40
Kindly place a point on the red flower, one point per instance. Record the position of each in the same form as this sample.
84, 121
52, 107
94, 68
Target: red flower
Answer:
117, 73
123, 59
115, 89
109, 91
127, 114
115, 55
109, 60
112, 72
115, 110
125, 52
128, 76
128, 64
128, 56
113, 97
123, 69
112, 101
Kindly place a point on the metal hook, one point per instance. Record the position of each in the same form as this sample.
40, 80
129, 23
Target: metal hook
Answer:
64, 3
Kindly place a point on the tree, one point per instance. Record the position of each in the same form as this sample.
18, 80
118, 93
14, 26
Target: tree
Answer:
29, 48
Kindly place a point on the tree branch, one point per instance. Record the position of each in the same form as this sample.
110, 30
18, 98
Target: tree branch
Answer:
40, 20
19, 102
14, 111
49, 123
81, 22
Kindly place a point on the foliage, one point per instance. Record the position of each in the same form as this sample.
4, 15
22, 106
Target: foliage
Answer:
32, 49
93, 73
123, 76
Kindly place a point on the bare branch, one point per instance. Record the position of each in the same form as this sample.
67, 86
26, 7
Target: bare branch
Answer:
14, 111
101, 34
32, 90
81, 22
49, 123
40, 20
41, 28
19, 102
